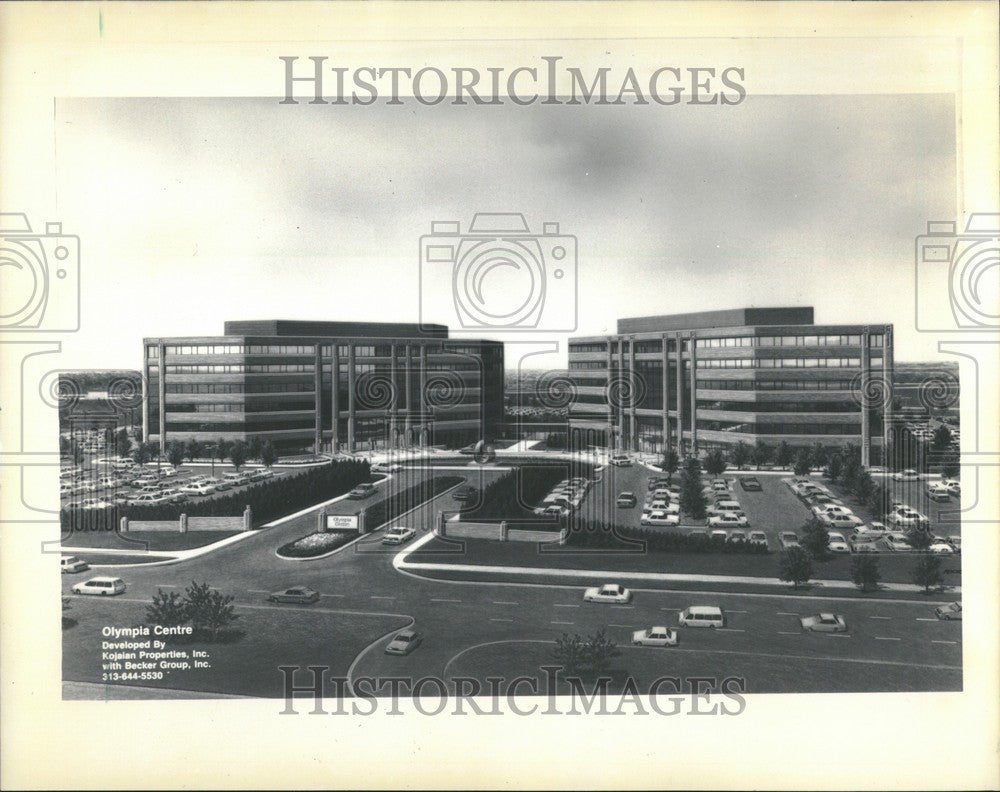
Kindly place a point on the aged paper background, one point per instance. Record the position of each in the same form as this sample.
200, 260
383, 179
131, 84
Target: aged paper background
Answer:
50, 51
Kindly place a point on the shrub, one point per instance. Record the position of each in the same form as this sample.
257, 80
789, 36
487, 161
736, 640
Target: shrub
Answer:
515, 494
316, 544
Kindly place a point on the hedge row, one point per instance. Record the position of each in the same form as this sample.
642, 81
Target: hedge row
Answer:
513, 495
267, 499
399, 502
595, 535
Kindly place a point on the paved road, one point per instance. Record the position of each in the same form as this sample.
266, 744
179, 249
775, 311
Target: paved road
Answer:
890, 646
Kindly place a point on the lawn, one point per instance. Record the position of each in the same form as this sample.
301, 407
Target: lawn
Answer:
144, 540
118, 558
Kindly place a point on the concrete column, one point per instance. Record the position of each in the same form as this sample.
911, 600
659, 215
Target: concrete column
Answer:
679, 352
665, 358
694, 404
146, 396
620, 419
351, 406
408, 405
611, 414
424, 431
183, 523
633, 380
888, 373
318, 391
866, 375
335, 399
161, 396
393, 396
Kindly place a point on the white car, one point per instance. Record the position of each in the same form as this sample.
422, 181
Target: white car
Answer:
720, 534
840, 520
386, 467
620, 460
198, 488
954, 486
659, 517
758, 537
94, 503
898, 545
829, 508
837, 543
71, 564
728, 520
609, 592
941, 547
655, 636
148, 499
938, 492
906, 475
100, 586
906, 517
397, 535
737, 536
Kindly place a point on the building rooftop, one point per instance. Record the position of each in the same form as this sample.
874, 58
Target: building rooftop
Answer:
734, 317
323, 329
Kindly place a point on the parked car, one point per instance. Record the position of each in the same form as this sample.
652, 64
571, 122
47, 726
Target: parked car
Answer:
950, 612
609, 592
198, 488
906, 517
261, 474
362, 491
398, 534
404, 642
728, 520
944, 548
720, 535
386, 467
824, 622
938, 493
100, 586
656, 482
655, 636
148, 499
297, 594
837, 543
465, 493
236, 479
954, 486
831, 508
906, 475
955, 541
840, 520
751, 484
626, 500
659, 517
898, 545
758, 537
789, 540
71, 565
737, 536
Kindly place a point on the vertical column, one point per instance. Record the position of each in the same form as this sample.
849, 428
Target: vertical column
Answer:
424, 431
318, 381
665, 383
611, 416
888, 376
161, 394
866, 375
693, 356
408, 384
351, 406
679, 382
633, 382
146, 396
620, 418
393, 396
335, 398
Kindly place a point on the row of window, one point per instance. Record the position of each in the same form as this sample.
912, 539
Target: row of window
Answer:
770, 385
655, 345
802, 362
364, 350
239, 407
244, 368
239, 387
781, 428
782, 407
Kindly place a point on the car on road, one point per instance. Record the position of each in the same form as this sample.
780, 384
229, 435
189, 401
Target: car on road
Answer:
655, 636
758, 537
361, 491
71, 565
906, 475
938, 492
824, 622
386, 467
954, 486
950, 612
100, 586
659, 517
751, 484
609, 592
702, 616
788, 540
728, 520
465, 493
398, 534
620, 460
404, 642
626, 500
302, 595
837, 542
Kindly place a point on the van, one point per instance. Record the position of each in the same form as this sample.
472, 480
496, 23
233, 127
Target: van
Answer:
702, 616
727, 506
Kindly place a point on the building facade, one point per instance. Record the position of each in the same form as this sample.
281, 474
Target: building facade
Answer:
757, 375
323, 386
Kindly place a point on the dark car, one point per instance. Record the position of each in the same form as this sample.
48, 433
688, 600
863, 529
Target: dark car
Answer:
362, 491
751, 484
626, 500
404, 642
300, 594
465, 494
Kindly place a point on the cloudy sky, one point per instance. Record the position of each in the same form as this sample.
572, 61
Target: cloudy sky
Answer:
193, 211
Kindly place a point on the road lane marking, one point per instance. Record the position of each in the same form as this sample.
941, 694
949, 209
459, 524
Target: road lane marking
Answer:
560, 622
728, 629
623, 626
783, 613
501, 602
502, 620
840, 635
887, 618
735, 611
785, 632
376, 596
926, 619
623, 607
883, 638
560, 605
952, 643
442, 599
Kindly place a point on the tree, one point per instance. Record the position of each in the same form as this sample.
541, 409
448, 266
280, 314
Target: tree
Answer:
141, 453
570, 654
268, 456
864, 487
950, 467
852, 470
715, 462
693, 500
670, 464
175, 454
942, 438
209, 609
819, 454
927, 572
865, 572
816, 539
77, 453
238, 454
221, 449
785, 455
600, 651
167, 610
834, 467
762, 454
192, 450
254, 447
123, 444
803, 463
918, 538
740, 455
795, 566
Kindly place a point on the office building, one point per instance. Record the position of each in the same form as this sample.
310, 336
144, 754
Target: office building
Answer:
323, 386
712, 379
